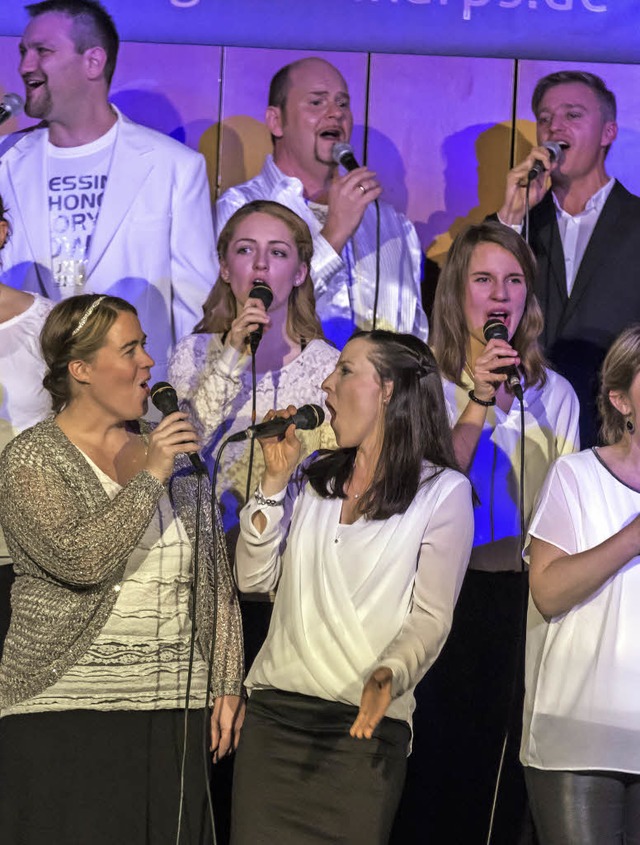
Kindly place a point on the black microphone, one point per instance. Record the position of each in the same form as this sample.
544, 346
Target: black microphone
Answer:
263, 292
496, 329
165, 399
342, 153
11, 106
555, 151
306, 417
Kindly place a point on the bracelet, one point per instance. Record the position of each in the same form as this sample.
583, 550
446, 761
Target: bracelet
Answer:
262, 500
482, 402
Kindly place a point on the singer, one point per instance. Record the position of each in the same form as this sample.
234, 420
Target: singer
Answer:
583, 231
581, 732
211, 369
367, 545
99, 515
309, 112
489, 274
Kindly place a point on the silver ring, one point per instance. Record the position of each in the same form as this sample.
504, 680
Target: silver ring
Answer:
363, 189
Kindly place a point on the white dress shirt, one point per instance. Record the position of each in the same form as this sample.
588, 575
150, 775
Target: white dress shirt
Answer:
576, 230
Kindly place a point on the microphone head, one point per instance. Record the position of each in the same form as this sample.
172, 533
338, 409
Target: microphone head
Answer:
12, 104
164, 398
340, 150
309, 416
262, 291
495, 329
555, 149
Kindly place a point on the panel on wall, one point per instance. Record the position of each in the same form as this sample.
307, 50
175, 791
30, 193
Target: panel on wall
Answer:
439, 138
245, 87
623, 80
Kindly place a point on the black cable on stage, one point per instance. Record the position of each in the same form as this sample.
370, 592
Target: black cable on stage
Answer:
522, 625
525, 227
377, 287
192, 643
247, 493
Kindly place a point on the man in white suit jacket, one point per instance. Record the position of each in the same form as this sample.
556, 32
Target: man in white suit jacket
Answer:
149, 238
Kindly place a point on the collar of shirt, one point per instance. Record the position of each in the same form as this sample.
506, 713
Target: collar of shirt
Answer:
594, 203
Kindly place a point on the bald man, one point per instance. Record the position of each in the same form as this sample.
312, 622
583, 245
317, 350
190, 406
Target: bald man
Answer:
309, 111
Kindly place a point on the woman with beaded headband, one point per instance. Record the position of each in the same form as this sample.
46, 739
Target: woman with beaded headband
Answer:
488, 276
99, 511
367, 545
581, 727
24, 400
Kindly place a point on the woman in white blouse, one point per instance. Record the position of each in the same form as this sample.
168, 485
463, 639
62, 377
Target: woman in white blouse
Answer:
475, 691
367, 545
581, 732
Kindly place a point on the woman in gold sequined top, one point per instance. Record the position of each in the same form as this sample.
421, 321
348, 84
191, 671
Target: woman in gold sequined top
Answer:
99, 513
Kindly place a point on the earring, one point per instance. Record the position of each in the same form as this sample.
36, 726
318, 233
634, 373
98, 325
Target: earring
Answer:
629, 425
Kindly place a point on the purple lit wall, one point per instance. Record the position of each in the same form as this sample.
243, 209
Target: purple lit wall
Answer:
440, 127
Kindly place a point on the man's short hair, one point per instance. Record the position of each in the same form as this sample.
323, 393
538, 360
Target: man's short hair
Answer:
606, 98
279, 87
92, 26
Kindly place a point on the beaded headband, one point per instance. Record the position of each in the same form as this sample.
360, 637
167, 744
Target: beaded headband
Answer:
87, 314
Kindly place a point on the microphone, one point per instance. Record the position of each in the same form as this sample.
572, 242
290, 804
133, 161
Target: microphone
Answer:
263, 292
555, 151
165, 399
496, 329
11, 106
306, 417
342, 153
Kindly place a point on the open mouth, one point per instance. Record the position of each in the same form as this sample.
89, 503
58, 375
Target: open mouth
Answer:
331, 134
32, 84
503, 316
145, 386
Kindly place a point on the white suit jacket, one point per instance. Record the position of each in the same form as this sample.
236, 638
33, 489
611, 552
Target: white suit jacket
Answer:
153, 241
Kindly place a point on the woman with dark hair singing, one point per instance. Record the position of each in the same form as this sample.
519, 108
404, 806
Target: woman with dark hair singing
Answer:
367, 545
475, 692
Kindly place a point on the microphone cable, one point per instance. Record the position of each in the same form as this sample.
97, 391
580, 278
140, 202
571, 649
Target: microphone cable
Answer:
192, 643
377, 284
521, 627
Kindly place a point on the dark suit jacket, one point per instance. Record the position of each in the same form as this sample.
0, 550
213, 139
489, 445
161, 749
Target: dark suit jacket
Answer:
604, 300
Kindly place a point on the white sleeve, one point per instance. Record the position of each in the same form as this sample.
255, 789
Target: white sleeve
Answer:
258, 558
444, 555
568, 424
557, 513
207, 380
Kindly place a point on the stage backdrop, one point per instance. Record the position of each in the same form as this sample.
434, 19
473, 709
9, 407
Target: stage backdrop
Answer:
583, 30
441, 131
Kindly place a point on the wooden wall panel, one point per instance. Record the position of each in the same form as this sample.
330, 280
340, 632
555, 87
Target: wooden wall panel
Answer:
439, 137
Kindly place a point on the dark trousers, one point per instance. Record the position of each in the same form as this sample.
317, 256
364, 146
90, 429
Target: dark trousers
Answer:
585, 808
465, 703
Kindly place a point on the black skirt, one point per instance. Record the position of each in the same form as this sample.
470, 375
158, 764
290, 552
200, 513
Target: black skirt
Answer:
106, 778
301, 779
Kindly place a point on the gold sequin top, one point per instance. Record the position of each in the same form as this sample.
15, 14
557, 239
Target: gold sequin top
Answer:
70, 544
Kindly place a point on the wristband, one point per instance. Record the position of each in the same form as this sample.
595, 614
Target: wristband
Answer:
485, 404
263, 501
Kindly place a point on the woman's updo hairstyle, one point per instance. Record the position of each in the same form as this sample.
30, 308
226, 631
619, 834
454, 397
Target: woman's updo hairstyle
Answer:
74, 330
